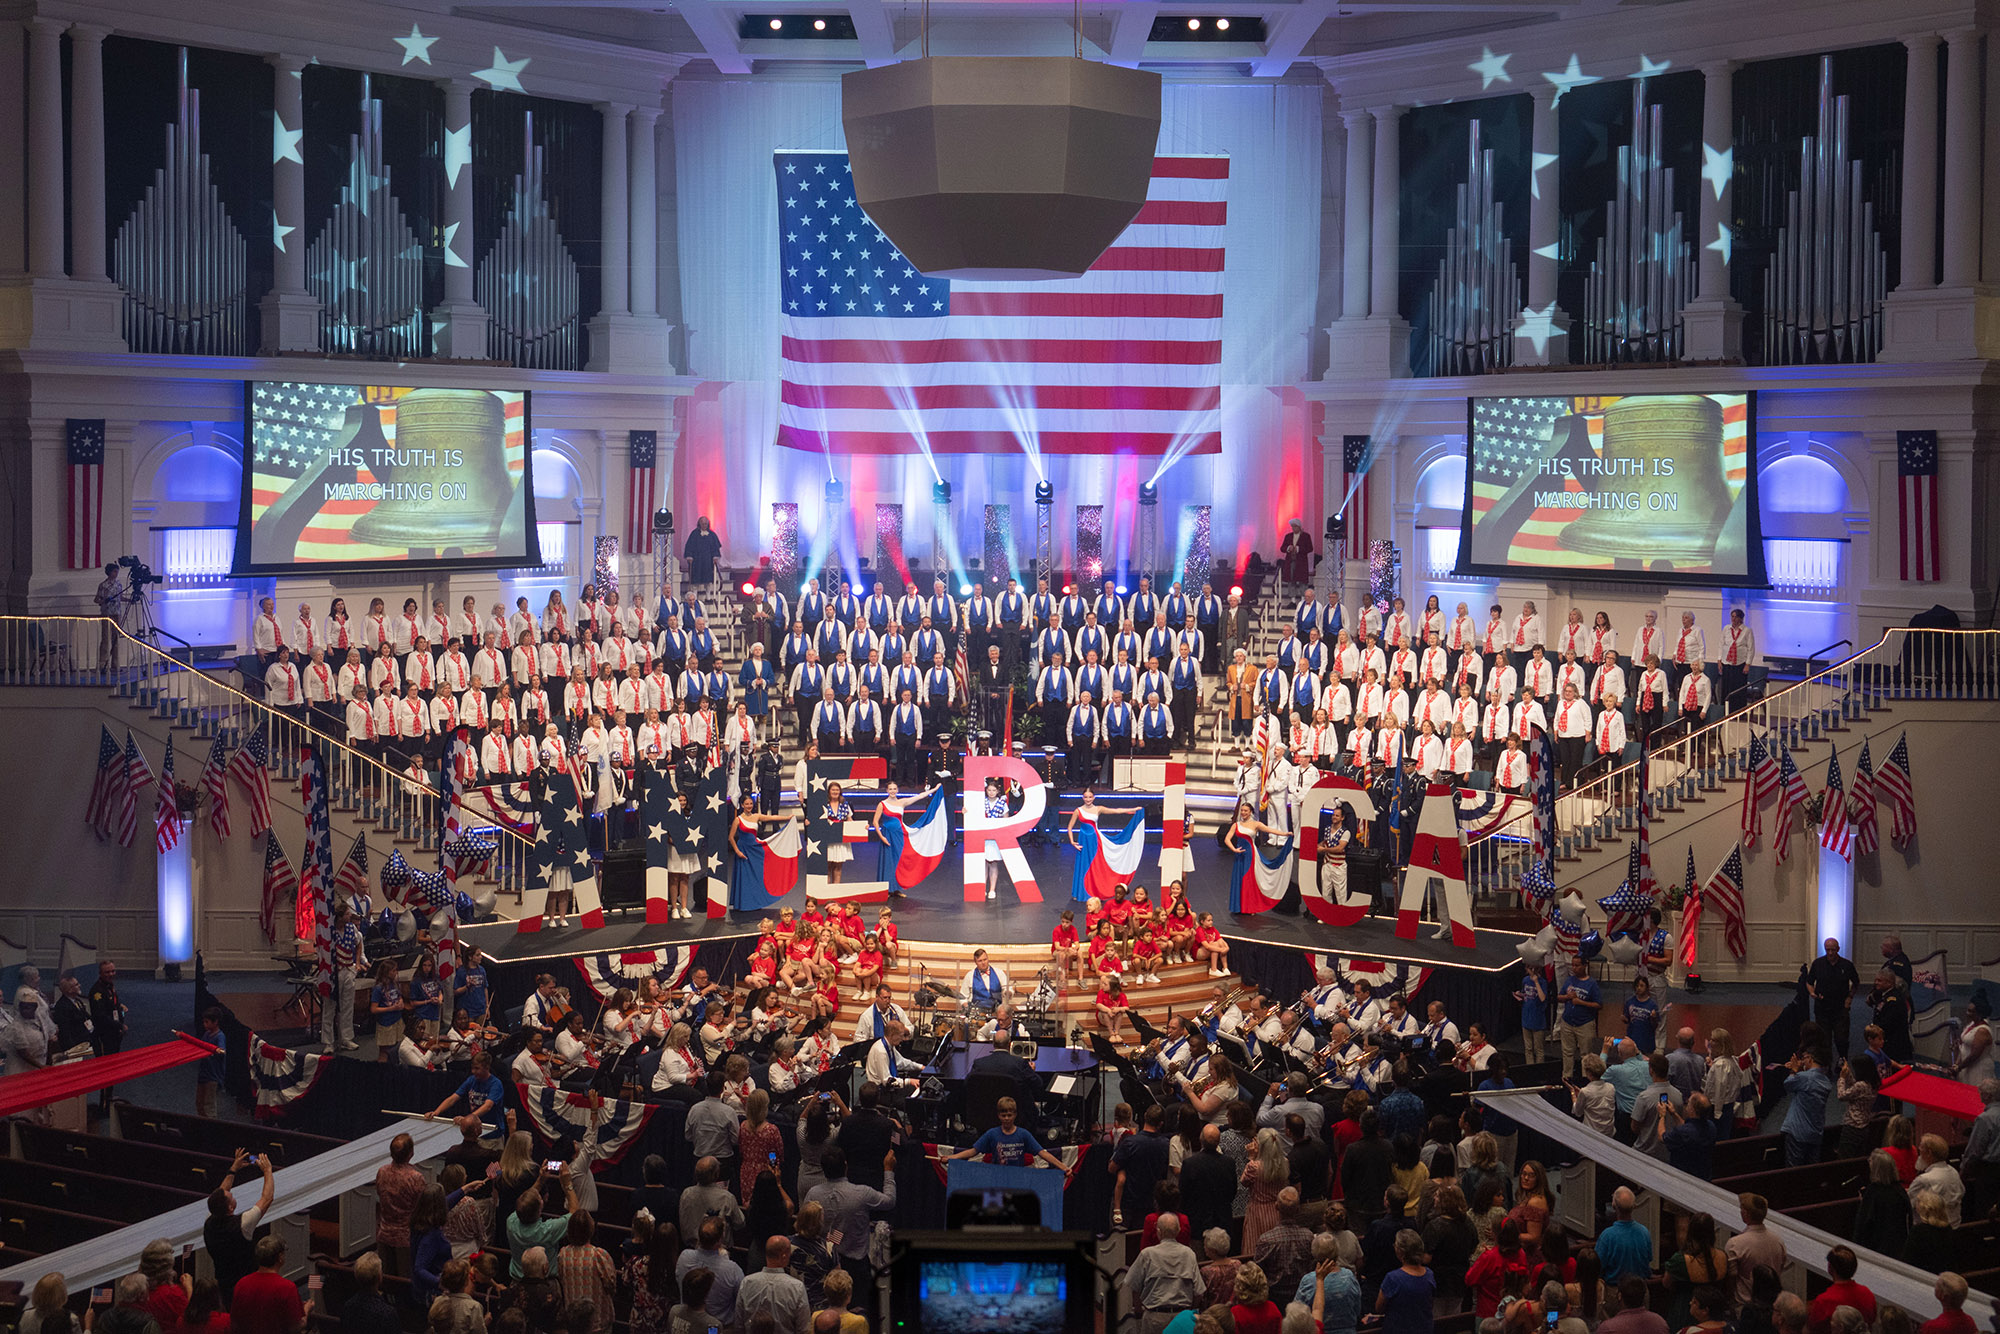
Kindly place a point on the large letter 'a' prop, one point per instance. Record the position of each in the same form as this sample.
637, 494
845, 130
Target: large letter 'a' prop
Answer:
1006, 833
1437, 854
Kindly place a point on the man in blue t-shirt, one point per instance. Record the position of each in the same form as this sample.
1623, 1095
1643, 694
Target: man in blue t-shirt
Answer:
1007, 1143
485, 1098
1581, 1000
470, 986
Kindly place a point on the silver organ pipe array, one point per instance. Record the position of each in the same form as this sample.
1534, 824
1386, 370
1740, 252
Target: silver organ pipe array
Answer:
365, 266
527, 282
1829, 274
1644, 273
1474, 304
181, 261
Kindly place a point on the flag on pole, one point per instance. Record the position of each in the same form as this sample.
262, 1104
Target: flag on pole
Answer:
961, 672
1791, 796
281, 880
1917, 513
1625, 907
215, 782
1836, 835
1542, 782
1897, 785
83, 447
316, 862
1690, 914
1724, 892
251, 766
352, 882
167, 810
1867, 833
644, 446
136, 776
104, 787
1642, 847
73, 955
1760, 781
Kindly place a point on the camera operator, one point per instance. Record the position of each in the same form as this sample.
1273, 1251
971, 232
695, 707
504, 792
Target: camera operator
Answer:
111, 602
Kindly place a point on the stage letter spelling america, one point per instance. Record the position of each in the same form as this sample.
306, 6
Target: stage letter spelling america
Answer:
1004, 834
878, 358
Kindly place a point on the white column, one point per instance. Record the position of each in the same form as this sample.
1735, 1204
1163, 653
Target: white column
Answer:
458, 192
1385, 242
613, 266
13, 135
1961, 159
1718, 124
1991, 193
45, 148
1356, 212
86, 152
1920, 165
645, 211
289, 317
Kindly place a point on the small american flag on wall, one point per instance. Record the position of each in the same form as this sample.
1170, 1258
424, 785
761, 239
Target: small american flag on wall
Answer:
83, 445
1917, 496
645, 446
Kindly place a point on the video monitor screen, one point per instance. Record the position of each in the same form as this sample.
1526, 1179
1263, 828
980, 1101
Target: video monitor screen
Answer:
1651, 487
959, 1296
351, 477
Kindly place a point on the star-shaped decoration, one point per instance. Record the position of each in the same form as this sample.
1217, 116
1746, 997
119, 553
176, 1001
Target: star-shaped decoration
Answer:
1573, 77
817, 783
284, 142
457, 152
715, 801
451, 259
505, 73
1490, 68
813, 847
1717, 168
715, 864
416, 46
279, 231
1538, 327
1722, 241
573, 816
1648, 66
1537, 162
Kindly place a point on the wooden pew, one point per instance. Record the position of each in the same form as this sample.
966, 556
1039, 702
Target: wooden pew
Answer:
181, 1169
85, 1192
1751, 1153
1835, 1216
150, 1125
38, 1227
1810, 1183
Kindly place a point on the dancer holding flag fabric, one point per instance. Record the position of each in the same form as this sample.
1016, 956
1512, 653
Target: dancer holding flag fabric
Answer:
1095, 873
765, 869
912, 846
1257, 882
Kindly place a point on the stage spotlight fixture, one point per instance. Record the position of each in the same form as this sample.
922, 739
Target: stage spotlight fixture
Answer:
1068, 589
1222, 25
1149, 493
749, 589
819, 25
1236, 590
663, 520
777, 25
1194, 25
1212, 28
1336, 527
1045, 493
797, 27
1122, 590
941, 493
835, 492
965, 590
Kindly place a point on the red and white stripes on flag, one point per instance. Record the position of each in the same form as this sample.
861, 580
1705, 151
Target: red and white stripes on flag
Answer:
1867, 833
1898, 787
1760, 781
83, 451
133, 781
1836, 835
215, 782
645, 448
104, 786
1917, 502
166, 810
250, 766
878, 358
1354, 463
280, 882
1724, 893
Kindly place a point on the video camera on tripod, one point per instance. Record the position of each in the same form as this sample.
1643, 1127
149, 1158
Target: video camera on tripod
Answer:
138, 575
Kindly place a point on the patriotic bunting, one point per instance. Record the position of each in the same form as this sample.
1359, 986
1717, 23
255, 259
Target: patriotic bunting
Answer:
604, 1127
607, 973
281, 1077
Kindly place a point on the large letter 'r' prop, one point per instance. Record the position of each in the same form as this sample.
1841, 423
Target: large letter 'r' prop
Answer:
1006, 833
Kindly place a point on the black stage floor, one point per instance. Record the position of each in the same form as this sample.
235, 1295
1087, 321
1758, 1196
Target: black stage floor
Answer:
936, 910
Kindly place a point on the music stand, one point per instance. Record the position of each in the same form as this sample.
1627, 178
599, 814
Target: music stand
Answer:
1147, 1033
1137, 1091
1236, 1050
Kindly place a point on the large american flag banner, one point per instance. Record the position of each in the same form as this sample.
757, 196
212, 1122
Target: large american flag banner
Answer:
1917, 501
250, 766
644, 447
105, 787
1354, 462
83, 450
878, 358
1517, 501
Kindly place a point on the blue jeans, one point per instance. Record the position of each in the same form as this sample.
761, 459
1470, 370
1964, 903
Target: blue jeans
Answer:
1799, 1152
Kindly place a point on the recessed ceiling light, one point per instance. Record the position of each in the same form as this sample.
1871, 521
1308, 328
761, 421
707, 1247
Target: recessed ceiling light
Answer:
1222, 25
1194, 25
777, 24
819, 25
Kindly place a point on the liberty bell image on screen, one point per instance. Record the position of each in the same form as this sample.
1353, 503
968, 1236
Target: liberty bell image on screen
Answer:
469, 500
1672, 445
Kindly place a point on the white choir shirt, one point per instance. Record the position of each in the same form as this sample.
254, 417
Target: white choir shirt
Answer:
1738, 645
384, 711
1465, 711
1497, 721
1609, 682
1529, 715
1462, 635
1540, 677
488, 668
352, 675
281, 683
1572, 640
1360, 744
1458, 756
375, 631
472, 709
1494, 637
437, 628
1397, 629
1512, 772
412, 718
320, 683
1602, 642
1695, 692
455, 671
1652, 681
1338, 701
1434, 707
1647, 644
1689, 645
535, 705
1610, 732
1368, 704
1347, 661
267, 636
1527, 632
1396, 709
554, 656
1430, 623
420, 671
403, 630
1403, 663
1433, 665
444, 711
1389, 746
527, 664
1430, 756
304, 637
622, 745
495, 755
1573, 674
337, 635
360, 721
1572, 718
1506, 678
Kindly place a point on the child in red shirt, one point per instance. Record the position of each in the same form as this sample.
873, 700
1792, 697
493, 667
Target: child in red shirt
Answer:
1112, 1004
826, 997
1100, 947
885, 938
1146, 957
1063, 947
867, 968
1119, 911
1093, 913
1210, 946
764, 967
1142, 911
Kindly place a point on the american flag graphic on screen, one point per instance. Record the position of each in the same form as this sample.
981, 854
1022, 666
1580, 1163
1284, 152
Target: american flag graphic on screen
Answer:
1917, 497
83, 447
877, 358
1519, 441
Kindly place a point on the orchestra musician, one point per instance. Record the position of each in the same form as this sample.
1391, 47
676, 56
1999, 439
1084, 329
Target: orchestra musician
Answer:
985, 985
888, 1069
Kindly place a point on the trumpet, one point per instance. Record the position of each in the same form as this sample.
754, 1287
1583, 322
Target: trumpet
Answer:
1236, 996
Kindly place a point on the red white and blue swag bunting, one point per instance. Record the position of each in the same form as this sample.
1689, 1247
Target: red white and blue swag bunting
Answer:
608, 973
1120, 850
281, 1077
917, 841
611, 1125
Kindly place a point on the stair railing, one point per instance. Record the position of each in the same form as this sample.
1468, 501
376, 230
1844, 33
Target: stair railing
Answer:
90, 651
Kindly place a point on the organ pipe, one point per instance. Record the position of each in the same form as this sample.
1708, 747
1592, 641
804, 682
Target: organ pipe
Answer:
1644, 273
1472, 304
365, 266
181, 261
1829, 273
528, 282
